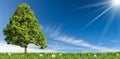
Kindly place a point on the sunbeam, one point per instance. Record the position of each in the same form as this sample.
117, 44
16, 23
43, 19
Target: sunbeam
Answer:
107, 25
94, 5
97, 17
102, 8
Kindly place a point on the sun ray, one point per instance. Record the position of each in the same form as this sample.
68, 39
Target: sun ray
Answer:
108, 24
94, 5
97, 17
102, 8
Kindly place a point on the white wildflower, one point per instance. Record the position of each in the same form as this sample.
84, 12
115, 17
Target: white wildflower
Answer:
117, 54
23, 55
41, 55
95, 55
9, 54
88, 54
60, 54
53, 55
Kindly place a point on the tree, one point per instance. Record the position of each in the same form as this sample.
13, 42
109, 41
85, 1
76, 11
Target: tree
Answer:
24, 29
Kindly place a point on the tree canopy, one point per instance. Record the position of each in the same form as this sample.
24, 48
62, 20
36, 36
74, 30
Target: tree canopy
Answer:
24, 29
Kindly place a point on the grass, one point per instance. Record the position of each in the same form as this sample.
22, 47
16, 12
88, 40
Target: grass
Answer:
60, 55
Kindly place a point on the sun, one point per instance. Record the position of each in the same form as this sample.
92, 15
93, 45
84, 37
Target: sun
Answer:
115, 3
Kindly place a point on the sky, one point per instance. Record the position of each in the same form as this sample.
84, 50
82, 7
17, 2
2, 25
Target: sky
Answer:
69, 25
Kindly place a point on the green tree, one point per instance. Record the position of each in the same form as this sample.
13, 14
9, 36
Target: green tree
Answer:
24, 29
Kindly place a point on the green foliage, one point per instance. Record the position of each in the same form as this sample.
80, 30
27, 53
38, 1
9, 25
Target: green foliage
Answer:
60, 56
24, 29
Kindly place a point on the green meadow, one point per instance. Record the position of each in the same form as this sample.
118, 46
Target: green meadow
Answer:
60, 55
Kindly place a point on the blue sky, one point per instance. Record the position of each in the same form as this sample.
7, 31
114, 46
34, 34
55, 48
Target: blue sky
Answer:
71, 25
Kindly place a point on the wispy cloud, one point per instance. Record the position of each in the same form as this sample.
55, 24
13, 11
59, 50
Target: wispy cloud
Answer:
80, 42
54, 33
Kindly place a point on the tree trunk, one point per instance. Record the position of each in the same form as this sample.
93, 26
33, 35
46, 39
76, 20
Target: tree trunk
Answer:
25, 50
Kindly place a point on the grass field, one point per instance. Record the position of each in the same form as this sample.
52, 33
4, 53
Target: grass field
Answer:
60, 55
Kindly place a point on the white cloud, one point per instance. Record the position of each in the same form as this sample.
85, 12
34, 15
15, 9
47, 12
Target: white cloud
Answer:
80, 42
60, 46
12, 48
54, 33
